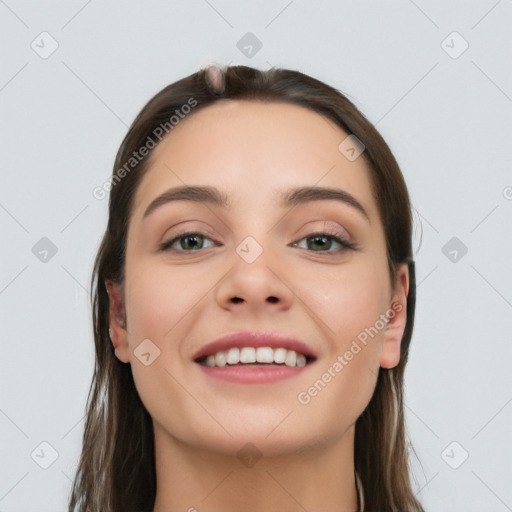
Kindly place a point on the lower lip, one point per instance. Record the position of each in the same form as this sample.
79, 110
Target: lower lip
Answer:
252, 374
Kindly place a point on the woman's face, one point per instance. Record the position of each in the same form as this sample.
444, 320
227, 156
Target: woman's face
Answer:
258, 265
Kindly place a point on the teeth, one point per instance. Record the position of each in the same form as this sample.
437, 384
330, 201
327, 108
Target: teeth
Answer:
248, 355
220, 359
251, 355
280, 355
301, 360
233, 356
291, 358
264, 355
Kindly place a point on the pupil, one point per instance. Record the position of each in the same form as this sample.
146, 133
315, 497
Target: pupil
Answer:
194, 237
316, 238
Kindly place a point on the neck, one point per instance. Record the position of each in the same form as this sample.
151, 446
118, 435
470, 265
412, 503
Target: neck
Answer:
192, 479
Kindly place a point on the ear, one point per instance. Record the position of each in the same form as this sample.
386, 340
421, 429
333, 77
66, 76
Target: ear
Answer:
117, 321
397, 319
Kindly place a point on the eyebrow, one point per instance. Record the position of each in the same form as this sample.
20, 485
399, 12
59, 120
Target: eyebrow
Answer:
289, 199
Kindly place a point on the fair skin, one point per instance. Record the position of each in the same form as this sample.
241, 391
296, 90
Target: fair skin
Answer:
183, 298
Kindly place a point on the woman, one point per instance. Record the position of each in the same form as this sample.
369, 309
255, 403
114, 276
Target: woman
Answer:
253, 306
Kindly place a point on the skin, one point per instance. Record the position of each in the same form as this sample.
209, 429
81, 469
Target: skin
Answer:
183, 300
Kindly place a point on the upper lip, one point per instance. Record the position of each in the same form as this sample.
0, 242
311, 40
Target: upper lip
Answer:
255, 339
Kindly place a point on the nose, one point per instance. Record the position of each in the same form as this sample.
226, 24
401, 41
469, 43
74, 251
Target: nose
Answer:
258, 286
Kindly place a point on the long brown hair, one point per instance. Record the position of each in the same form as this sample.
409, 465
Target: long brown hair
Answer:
116, 471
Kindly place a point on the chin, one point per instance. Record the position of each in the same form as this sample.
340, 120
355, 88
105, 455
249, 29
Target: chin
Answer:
258, 445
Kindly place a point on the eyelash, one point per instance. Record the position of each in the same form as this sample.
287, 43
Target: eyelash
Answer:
345, 245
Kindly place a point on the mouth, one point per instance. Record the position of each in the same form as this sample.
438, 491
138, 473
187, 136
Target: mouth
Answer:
254, 357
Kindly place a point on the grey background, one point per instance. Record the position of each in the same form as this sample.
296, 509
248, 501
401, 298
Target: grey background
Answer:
446, 115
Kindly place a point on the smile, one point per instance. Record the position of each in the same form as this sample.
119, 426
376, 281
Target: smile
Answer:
255, 356
254, 365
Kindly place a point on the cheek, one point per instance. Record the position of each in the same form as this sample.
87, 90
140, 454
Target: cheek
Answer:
162, 305
349, 304
349, 301
159, 299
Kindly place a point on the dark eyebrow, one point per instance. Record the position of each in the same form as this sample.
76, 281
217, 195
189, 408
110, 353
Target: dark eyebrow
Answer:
189, 193
289, 199
303, 195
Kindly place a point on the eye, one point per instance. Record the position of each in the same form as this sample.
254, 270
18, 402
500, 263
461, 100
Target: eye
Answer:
193, 241
188, 241
324, 240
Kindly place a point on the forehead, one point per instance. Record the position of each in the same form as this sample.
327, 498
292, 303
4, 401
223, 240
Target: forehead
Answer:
252, 149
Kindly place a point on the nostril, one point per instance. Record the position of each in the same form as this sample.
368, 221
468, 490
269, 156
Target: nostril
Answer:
273, 299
